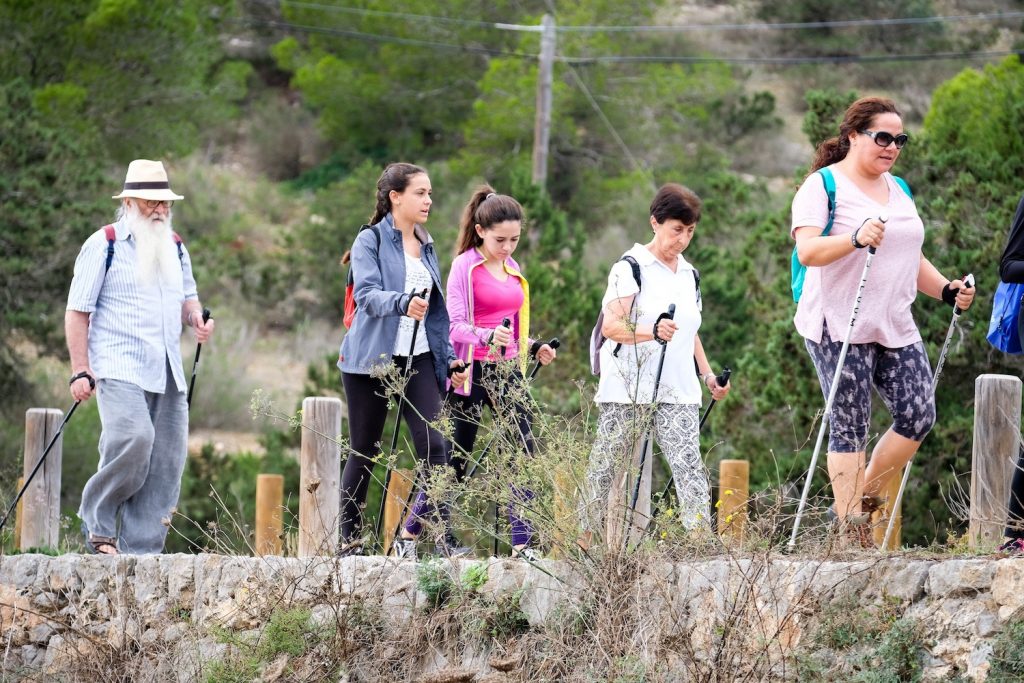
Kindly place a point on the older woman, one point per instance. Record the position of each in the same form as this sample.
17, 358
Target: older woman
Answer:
885, 349
637, 330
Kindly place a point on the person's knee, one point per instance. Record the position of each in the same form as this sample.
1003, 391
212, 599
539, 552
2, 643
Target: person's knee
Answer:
916, 423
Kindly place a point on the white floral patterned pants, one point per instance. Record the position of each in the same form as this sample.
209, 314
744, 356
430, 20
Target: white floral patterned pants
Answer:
621, 426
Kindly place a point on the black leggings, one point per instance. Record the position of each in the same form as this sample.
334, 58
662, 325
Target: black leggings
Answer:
468, 410
367, 413
1015, 518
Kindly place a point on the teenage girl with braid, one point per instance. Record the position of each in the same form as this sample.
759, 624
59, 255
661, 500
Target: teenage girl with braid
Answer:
389, 262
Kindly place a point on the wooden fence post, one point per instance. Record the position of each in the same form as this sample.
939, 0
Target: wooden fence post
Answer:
269, 512
997, 403
40, 519
320, 476
878, 531
399, 486
733, 493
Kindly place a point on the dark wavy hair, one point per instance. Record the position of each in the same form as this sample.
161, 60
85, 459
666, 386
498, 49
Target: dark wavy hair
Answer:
395, 177
486, 208
858, 116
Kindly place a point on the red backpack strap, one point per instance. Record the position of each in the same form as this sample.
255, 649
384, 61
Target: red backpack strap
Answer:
177, 241
111, 236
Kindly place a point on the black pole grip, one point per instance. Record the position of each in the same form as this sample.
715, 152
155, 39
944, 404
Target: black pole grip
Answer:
458, 368
206, 315
505, 322
723, 379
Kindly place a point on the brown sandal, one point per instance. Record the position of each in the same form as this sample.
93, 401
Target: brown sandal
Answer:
103, 545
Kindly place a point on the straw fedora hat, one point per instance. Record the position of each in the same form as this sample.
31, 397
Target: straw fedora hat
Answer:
147, 180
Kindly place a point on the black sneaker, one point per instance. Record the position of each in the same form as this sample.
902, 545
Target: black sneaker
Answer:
450, 546
404, 548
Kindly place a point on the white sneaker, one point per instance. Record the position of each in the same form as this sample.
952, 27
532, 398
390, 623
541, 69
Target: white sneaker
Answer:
528, 554
404, 548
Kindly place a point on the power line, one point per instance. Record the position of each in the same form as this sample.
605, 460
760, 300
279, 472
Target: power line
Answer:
403, 15
378, 38
764, 26
669, 28
627, 59
782, 61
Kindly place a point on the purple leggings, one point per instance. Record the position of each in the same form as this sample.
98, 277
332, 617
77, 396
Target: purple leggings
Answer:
467, 411
902, 377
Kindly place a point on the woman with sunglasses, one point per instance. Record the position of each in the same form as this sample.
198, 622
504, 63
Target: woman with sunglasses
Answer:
872, 209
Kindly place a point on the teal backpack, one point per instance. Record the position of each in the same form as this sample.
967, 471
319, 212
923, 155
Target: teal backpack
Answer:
799, 270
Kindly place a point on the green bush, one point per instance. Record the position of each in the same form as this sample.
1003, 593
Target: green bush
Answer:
1007, 662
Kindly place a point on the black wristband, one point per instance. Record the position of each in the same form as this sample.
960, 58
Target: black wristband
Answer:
949, 294
86, 375
853, 240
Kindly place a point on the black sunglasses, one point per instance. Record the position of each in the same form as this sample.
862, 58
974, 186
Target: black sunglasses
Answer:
883, 139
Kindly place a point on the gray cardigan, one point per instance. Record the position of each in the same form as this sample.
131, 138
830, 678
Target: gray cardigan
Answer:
379, 279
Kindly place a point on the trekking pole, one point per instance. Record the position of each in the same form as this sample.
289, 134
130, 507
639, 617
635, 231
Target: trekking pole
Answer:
647, 437
476, 463
42, 458
554, 344
504, 323
398, 419
412, 490
832, 392
968, 283
721, 380
195, 363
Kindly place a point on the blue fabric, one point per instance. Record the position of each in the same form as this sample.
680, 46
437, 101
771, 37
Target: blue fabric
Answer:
1003, 330
378, 274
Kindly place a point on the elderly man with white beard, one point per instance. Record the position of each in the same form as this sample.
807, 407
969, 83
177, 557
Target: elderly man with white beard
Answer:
131, 293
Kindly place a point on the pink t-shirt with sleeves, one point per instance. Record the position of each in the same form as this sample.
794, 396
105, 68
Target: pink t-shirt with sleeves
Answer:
494, 300
884, 316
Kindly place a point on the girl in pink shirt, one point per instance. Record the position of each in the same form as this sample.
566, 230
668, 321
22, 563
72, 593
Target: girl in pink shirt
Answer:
485, 286
885, 351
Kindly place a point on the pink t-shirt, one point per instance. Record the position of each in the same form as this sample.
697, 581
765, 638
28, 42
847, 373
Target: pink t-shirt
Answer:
493, 301
884, 316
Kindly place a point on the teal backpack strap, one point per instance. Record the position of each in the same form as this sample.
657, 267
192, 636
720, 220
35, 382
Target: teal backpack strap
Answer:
830, 189
903, 184
797, 269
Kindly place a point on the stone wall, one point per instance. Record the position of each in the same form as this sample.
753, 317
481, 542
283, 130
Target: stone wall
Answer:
168, 617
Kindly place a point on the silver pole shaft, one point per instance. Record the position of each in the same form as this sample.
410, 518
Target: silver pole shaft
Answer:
906, 471
831, 397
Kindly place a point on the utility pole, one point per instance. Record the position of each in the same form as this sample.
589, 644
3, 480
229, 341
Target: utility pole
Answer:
542, 123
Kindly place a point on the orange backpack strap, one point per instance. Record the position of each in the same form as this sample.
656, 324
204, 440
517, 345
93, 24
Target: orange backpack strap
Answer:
111, 236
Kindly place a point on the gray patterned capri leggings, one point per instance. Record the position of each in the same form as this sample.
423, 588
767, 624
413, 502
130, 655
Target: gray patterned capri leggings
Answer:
619, 427
902, 377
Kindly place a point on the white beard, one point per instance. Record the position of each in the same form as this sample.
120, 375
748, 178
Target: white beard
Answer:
156, 253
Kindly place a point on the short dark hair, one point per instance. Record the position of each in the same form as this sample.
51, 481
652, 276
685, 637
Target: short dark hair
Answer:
676, 201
